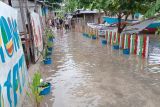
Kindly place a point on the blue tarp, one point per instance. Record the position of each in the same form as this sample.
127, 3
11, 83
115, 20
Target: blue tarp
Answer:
154, 25
111, 20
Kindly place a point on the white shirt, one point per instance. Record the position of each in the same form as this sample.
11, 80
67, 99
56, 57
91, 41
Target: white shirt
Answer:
66, 22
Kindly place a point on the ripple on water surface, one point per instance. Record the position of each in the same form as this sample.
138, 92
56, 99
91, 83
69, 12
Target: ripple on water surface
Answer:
88, 75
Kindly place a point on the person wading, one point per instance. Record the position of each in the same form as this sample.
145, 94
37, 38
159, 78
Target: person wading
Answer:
66, 24
61, 24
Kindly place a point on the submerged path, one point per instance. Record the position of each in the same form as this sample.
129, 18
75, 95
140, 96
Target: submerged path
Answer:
86, 74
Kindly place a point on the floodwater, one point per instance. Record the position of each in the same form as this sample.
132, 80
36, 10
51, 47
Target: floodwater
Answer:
154, 54
86, 74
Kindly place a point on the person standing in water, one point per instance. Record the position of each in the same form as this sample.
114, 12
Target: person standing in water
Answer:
61, 23
57, 23
66, 24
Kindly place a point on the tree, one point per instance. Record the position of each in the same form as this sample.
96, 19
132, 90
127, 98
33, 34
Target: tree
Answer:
121, 8
55, 1
125, 8
71, 5
56, 4
155, 8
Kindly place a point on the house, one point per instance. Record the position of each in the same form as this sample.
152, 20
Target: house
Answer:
82, 17
87, 16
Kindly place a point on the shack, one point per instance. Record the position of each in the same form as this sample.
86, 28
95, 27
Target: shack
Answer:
82, 17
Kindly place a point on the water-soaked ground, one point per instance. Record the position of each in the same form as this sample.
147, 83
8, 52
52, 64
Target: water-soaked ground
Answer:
87, 74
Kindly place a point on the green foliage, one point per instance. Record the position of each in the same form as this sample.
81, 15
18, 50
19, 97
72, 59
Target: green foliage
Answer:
158, 31
112, 6
154, 8
56, 6
71, 5
123, 8
120, 8
55, 1
48, 43
84, 3
34, 92
49, 33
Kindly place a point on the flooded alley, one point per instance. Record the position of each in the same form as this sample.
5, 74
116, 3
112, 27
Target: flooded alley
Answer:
86, 74
80, 53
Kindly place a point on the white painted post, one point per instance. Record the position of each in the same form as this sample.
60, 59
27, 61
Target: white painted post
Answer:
147, 47
125, 41
138, 45
120, 44
108, 37
131, 43
112, 38
105, 35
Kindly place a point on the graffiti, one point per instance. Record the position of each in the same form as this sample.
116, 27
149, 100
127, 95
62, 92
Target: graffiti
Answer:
2, 54
13, 71
1, 98
8, 86
18, 83
10, 37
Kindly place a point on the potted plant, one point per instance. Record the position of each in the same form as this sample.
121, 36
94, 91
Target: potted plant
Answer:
104, 42
33, 93
49, 45
115, 45
38, 89
47, 57
45, 88
126, 51
87, 35
49, 34
94, 37
84, 34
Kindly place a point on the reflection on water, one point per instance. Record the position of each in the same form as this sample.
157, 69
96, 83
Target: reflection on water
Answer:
154, 54
86, 74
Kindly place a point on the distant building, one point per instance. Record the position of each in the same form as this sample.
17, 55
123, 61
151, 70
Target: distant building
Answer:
87, 16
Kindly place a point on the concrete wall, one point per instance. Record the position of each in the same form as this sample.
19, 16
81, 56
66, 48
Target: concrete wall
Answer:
13, 71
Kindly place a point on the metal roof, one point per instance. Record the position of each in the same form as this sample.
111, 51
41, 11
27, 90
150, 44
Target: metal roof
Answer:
81, 11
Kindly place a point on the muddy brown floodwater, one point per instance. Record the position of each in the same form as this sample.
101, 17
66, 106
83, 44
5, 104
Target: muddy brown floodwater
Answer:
86, 74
